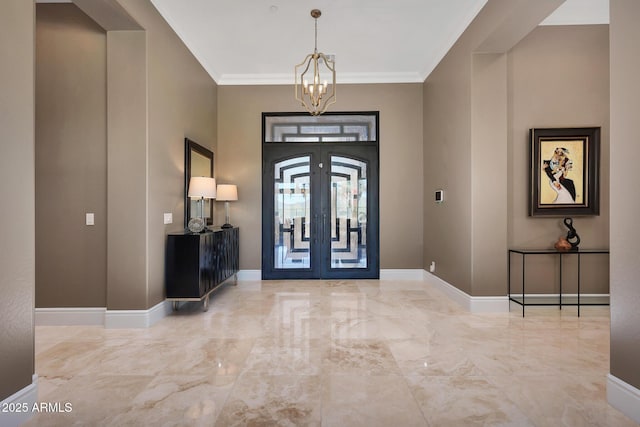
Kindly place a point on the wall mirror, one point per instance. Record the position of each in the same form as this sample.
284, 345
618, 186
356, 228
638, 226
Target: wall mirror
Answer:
198, 161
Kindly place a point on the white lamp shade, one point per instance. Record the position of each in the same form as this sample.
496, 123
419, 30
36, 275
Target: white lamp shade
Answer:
202, 187
227, 193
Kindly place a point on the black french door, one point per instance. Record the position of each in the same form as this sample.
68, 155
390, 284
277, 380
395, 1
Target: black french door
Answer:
320, 211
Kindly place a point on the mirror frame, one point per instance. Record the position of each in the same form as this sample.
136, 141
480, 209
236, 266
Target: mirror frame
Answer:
189, 148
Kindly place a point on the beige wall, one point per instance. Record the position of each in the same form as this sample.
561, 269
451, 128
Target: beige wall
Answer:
128, 170
239, 161
17, 192
158, 94
71, 158
558, 77
182, 103
447, 166
488, 186
625, 199
549, 86
453, 110
479, 106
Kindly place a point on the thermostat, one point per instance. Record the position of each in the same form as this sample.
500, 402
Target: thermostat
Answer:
439, 196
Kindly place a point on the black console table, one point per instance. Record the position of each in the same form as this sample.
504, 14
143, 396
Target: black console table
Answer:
198, 263
526, 252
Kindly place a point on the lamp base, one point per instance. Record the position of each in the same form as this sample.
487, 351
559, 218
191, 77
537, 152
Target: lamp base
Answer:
226, 225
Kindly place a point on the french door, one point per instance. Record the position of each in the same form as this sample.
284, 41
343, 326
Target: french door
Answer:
320, 211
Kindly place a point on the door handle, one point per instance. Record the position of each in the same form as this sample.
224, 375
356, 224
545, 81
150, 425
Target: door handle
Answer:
324, 222
315, 228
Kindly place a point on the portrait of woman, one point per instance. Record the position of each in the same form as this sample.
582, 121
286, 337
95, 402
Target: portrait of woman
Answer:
563, 174
564, 171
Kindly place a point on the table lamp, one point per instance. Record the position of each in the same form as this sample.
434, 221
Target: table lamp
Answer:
227, 193
200, 187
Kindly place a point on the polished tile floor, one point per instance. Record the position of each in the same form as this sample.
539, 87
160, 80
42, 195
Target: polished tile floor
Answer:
332, 353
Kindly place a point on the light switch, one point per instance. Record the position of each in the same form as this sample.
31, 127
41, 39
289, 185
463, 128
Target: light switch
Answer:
168, 218
89, 219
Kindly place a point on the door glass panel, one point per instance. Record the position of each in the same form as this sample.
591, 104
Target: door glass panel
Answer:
291, 213
348, 221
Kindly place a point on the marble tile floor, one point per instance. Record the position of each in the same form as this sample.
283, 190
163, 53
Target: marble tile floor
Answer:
332, 353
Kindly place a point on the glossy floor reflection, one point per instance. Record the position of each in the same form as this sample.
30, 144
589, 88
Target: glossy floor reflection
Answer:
332, 353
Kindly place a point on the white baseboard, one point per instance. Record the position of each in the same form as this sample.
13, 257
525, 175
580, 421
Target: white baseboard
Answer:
492, 304
100, 316
160, 311
558, 295
495, 304
69, 316
624, 397
22, 399
250, 275
460, 297
115, 319
401, 274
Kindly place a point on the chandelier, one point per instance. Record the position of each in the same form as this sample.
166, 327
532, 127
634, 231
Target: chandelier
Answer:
315, 84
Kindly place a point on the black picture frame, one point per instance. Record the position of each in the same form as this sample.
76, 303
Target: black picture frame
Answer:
564, 177
198, 161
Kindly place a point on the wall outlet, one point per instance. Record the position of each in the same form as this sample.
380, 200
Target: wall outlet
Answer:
168, 218
432, 267
89, 219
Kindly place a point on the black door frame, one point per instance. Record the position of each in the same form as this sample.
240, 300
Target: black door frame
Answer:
320, 244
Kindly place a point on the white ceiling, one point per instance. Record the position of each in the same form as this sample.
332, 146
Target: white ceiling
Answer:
377, 41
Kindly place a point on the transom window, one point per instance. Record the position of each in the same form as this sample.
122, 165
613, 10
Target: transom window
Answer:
338, 127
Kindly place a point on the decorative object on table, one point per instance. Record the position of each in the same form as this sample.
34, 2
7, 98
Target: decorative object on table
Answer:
572, 234
562, 245
314, 95
564, 171
227, 193
198, 161
200, 187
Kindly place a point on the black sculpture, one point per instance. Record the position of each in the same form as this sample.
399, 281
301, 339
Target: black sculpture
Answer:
572, 235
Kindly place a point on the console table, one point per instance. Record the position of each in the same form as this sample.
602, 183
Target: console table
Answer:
196, 264
527, 252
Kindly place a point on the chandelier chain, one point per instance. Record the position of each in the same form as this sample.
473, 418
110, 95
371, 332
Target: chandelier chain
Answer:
315, 49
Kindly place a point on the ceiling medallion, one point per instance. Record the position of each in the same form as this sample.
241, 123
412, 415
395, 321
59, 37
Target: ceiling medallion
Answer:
315, 78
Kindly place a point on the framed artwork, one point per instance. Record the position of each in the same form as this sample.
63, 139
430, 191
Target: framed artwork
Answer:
565, 168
